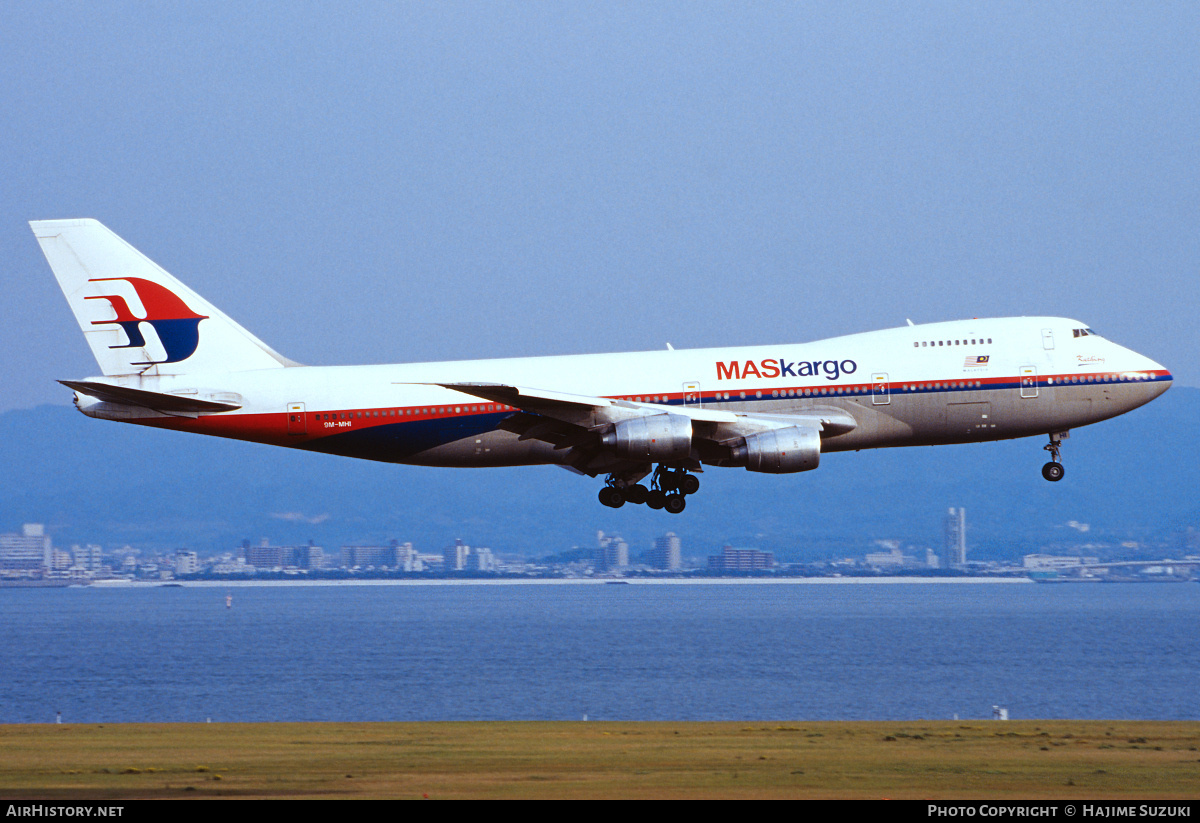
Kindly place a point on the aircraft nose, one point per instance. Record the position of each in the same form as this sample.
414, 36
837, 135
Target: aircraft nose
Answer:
1157, 379
1158, 373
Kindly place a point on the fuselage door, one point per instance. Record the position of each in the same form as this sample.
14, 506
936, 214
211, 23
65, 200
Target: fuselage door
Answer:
296, 419
1029, 382
1048, 339
880, 390
691, 394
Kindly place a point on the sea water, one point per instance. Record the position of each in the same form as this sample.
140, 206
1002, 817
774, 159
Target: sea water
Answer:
608, 652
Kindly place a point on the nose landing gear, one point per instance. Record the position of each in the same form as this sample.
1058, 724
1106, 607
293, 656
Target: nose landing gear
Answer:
1054, 471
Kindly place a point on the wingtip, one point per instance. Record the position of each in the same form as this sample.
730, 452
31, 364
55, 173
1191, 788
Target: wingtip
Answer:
50, 228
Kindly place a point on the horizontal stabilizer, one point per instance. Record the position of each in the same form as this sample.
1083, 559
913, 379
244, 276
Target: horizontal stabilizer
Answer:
156, 401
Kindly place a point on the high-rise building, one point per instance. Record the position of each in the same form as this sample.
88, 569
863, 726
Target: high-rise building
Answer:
28, 551
310, 556
407, 558
612, 552
456, 556
186, 562
954, 554
668, 552
481, 560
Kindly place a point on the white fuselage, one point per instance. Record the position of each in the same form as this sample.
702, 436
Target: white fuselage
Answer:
959, 381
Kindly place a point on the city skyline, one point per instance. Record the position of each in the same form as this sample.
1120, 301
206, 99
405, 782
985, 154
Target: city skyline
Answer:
30, 556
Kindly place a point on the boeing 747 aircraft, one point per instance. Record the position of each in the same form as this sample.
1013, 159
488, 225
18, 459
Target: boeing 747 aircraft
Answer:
171, 359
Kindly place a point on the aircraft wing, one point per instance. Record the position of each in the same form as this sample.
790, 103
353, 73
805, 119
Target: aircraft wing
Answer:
577, 422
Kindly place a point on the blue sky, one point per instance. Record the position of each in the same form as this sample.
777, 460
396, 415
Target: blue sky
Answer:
365, 183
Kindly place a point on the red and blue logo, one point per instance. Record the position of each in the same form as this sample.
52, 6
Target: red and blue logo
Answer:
177, 326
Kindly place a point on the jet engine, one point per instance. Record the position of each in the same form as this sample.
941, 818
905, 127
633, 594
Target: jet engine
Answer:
657, 438
780, 451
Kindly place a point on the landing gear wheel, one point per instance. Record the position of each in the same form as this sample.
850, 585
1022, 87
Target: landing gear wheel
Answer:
656, 499
611, 496
1053, 471
636, 493
689, 484
675, 503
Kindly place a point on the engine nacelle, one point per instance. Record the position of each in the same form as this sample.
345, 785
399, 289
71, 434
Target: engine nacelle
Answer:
657, 438
780, 451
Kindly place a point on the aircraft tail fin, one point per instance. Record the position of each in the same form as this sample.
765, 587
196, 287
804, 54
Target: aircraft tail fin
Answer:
136, 317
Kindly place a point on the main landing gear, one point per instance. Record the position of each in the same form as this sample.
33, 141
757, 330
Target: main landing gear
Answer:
667, 490
1054, 470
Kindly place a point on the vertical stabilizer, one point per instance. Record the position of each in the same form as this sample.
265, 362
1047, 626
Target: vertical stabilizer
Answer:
137, 318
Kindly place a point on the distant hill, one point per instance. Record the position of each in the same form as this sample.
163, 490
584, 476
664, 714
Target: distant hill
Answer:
98, 481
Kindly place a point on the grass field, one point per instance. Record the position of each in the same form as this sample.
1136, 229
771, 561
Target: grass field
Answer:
926, 760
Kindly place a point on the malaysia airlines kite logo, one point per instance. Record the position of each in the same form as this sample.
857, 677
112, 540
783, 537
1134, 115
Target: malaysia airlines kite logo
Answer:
177, 326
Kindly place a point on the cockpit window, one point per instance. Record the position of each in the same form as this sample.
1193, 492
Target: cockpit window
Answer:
1083, 332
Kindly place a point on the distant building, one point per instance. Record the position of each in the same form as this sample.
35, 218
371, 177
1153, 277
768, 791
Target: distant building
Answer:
310, 556
456, 556
612, 552
481, 560
668, 553
87, 558
740, 560
893, 559
407, 558
1050, 562
186, 562
954, 555
28, 551
428, 562
363, 556
266, 556
229, 565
